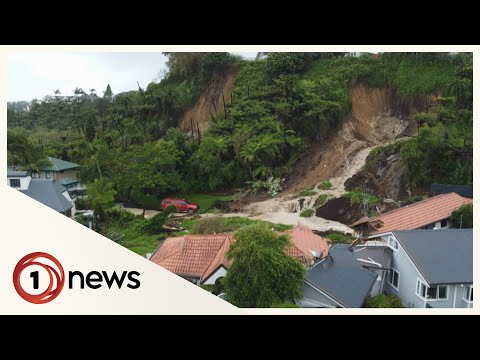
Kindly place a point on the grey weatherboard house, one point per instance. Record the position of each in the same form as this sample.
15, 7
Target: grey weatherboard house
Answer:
430, 268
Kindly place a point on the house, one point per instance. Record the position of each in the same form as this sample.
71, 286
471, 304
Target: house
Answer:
346, 277
430, 268
432, 213
198, 258
47, 191
462, 190
65, 173
202, 259
58, 170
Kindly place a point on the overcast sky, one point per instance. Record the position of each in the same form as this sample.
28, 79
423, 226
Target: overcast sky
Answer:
36, 74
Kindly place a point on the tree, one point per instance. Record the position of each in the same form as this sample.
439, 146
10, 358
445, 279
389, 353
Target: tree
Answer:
107, 94
262, 274
147, 172
279, 63
101, 196
463, 217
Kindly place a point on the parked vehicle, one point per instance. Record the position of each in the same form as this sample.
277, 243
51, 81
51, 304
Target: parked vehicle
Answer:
182, 205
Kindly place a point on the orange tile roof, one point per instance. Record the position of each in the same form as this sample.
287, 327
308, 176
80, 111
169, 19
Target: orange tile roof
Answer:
417, 215
198, 256
194, 256
304, 240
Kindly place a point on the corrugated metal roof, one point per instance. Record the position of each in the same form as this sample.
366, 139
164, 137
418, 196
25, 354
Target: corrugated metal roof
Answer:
341, 277
378, 254
442, 256
59, 165
419, 214
49, 193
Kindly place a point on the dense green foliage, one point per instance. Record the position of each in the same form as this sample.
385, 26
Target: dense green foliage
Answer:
384, 301
262, 274
101, 196
278, 107
463, 217
219, 224
307, 213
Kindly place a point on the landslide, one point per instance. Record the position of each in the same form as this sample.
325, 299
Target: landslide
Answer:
210, 102
378, 116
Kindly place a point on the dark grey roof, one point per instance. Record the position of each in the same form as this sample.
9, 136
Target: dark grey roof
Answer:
49, 193
463, 190
16, 173
341, 277
441, 256
379, 254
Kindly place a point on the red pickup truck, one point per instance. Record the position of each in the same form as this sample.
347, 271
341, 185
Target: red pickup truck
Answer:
182, 205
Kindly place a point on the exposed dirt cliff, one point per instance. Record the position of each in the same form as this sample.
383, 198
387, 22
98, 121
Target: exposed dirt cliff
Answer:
195, 120
378, 116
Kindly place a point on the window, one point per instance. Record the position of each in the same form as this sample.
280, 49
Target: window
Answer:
421, 289
436, 292
393, 278
393, 243
47, 174
468, 294
15, 183
167, 202
444, 223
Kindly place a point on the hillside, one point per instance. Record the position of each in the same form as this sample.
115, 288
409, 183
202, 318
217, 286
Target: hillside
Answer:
285, 124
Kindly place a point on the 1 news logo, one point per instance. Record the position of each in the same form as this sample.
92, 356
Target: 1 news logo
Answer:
35, 270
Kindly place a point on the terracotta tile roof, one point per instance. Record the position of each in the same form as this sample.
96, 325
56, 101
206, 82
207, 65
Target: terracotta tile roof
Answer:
417, 215
194, 256
304, 240
198, 256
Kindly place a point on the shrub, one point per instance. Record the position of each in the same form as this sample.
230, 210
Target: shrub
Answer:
118, 215
340, 238
307, 213
273, 186
209, 225
326, 185
308, 192
155, 224
463, 217
82, 204
361, 197
321, 200
384, 301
